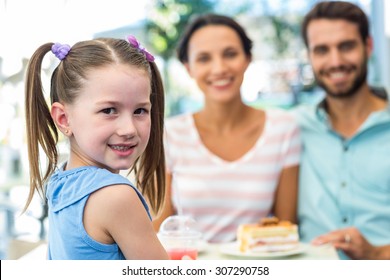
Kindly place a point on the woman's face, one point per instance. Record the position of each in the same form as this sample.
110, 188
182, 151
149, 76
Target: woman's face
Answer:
217, 62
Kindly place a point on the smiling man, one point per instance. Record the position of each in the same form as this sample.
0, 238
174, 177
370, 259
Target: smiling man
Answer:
344, 191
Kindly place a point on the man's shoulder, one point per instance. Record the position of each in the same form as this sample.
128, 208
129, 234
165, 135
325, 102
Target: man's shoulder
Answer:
309, 117
380, 92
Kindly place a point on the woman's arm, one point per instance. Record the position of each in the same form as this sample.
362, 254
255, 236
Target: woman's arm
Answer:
286, 197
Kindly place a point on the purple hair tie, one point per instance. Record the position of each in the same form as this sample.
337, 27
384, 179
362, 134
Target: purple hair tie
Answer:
60, 51
134, 42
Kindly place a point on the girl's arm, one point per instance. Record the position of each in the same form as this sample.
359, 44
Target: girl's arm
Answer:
116, 214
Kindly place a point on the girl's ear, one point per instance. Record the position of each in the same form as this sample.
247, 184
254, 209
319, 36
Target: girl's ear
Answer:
58, 114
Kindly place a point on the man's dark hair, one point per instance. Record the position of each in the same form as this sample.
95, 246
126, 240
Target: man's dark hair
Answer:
337, 10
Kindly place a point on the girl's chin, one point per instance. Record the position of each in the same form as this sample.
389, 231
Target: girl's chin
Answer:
122, 168
117, 169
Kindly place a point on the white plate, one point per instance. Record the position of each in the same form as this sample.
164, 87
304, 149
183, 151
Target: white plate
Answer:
232, 249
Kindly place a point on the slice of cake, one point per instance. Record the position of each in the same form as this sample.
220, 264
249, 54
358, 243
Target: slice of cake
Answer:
269, 235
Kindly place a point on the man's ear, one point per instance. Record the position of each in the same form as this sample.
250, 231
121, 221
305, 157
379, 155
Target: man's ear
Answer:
60, 117
369, 46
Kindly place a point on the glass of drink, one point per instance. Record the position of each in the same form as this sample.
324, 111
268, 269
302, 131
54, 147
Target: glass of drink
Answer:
180, 237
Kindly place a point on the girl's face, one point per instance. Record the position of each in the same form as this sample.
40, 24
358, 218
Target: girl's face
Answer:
110, 119
217, 62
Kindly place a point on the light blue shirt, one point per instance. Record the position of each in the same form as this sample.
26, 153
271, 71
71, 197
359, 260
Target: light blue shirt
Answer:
344, 182
67, 192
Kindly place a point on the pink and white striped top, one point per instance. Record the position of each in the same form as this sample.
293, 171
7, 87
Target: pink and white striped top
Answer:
221, 194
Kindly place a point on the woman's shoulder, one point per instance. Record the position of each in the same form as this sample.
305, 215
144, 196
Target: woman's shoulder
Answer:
179, 124
178, 119
282, 116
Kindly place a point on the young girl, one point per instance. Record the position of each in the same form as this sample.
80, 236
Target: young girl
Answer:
228, 163
107, 99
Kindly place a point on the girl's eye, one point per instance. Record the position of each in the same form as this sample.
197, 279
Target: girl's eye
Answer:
108, 111
141, 111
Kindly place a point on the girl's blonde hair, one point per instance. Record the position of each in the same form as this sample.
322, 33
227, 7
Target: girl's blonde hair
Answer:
66, 84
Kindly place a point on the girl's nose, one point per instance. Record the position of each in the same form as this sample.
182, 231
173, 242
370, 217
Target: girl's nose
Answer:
126, 127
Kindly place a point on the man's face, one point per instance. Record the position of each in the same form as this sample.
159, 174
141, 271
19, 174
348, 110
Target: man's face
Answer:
338, 56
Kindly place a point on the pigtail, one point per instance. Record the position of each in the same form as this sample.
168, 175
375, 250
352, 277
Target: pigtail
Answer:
159, 101
151, 175
41, 129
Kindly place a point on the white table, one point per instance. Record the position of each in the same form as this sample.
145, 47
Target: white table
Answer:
310, 252
36, 254
212, 252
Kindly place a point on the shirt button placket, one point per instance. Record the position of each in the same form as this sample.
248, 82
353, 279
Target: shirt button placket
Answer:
344, 192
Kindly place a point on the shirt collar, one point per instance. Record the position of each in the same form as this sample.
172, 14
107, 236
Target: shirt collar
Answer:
322, 106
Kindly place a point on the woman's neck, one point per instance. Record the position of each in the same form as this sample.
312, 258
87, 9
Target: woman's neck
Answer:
223, 116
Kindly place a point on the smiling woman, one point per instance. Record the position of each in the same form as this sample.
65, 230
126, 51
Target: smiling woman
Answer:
228, 163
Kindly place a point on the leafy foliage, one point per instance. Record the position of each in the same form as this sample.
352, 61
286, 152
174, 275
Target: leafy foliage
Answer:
167, 20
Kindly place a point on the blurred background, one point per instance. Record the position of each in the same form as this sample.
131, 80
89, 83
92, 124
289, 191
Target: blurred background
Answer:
279, 75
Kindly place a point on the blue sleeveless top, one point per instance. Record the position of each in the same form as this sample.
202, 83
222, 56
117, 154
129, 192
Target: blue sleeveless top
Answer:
67, 193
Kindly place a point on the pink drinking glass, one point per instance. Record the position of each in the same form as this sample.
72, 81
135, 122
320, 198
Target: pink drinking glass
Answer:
180, 237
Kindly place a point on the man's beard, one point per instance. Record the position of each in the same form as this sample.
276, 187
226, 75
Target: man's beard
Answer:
357, 83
